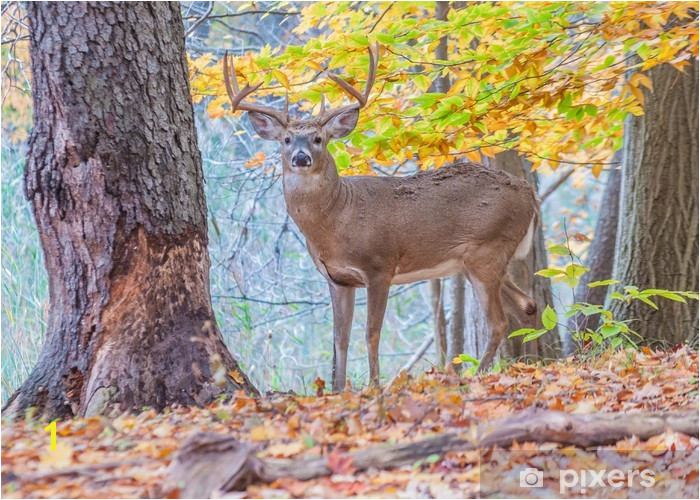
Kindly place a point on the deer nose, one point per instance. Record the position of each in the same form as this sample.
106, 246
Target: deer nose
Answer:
301, 159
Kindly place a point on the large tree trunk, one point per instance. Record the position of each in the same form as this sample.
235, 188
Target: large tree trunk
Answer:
657, 240
601, 252
522, 272
114, 177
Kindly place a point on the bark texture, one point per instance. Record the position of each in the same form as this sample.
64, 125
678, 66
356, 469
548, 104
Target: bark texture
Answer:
657, 240
114, 177
601, 253
477, 330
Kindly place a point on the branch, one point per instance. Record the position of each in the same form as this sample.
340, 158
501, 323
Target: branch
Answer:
199, 21
416, 357
213, 464
556, 185
249, 12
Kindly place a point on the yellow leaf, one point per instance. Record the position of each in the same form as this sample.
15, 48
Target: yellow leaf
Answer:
259, 433
638, 94
236, 375
282, 78
62, 456
314, 65
638, 78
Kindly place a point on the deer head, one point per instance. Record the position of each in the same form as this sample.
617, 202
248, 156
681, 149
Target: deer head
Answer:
304, 142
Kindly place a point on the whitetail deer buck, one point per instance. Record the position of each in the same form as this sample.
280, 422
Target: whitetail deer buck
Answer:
376, 232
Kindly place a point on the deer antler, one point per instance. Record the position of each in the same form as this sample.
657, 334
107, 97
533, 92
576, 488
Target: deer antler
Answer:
237, 95
325, 116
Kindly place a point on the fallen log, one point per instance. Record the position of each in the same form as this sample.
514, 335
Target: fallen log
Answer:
214, 464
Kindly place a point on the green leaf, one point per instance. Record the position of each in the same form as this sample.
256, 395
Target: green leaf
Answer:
343, 160
559, 250
466, 358
565, 104
480, 126
548, 273
591, 110
549, 318
534, 335
608, 331
594, 284
522, 331
647, 301
359, 40
672, 296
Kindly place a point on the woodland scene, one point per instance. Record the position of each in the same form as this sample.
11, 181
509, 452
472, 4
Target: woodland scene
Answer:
349, 249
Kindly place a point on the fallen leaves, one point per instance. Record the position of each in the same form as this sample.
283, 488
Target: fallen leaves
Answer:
138, 448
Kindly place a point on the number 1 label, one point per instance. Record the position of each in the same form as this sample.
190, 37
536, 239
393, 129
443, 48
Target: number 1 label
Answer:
52, 427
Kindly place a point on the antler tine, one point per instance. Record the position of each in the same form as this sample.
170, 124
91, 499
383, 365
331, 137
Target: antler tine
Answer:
361, 97
237, 96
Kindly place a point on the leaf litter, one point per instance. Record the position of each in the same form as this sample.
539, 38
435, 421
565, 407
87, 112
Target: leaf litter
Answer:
128, 457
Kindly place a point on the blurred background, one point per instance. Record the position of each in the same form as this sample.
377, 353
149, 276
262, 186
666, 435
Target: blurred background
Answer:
272, 305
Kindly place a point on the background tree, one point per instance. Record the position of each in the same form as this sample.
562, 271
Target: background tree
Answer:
657, 239
114, 177
601, 252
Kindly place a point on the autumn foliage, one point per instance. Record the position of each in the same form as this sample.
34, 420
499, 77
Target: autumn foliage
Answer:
553, 80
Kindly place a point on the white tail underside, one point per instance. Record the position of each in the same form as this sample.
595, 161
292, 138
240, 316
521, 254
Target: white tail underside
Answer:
526, 243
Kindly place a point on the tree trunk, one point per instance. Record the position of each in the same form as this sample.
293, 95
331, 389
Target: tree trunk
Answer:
439, 322
601, 252
522, 272
441, 84
455, 333
657, 241
114, 177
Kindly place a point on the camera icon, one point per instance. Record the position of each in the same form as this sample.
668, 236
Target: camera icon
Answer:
531, 478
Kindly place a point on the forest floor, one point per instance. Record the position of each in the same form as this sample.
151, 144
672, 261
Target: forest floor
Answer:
141, 446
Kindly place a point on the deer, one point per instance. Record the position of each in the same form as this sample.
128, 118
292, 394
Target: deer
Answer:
378, 231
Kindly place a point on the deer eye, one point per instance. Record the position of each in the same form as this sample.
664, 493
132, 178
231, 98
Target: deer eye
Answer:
317, 140
287, 140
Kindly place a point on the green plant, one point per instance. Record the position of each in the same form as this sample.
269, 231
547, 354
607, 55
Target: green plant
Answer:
610, 330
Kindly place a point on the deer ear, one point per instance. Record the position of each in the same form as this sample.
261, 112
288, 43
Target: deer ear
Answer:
266, 127
341, 125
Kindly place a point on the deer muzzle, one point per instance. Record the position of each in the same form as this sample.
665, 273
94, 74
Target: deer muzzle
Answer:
301, 159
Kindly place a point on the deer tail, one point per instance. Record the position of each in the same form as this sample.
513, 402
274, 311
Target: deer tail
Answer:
525, 244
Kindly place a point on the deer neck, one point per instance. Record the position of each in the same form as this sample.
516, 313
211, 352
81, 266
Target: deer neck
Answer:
313, 200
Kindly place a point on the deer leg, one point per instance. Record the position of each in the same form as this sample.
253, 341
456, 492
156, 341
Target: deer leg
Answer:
486, 277
377, 295
343, 300
518, 304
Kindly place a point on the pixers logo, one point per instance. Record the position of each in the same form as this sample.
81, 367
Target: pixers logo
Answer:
584, 479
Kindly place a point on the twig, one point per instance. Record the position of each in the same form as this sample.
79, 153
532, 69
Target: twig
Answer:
379, 20
82, 469
411, 362
556, 185
249, 12
199, 21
